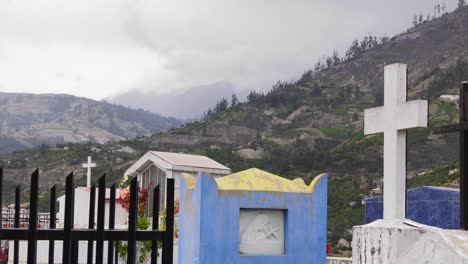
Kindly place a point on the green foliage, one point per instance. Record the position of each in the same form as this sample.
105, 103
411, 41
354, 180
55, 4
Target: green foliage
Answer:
336, 133
447, 112
341, 216
143, 247
418, 135
448, 79
439, 176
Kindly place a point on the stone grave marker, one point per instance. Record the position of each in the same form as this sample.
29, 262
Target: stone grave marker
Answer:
393, 119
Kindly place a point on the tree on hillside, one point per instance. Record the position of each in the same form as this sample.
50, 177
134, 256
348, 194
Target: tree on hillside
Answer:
234, 100
221, 106
336, 58
461, 3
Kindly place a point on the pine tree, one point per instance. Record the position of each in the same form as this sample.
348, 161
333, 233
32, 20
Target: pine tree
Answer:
336, 58
461, 3
234, 100
415, 20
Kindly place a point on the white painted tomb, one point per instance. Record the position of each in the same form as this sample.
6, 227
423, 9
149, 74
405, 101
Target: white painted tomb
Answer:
394, 239
155, 167
261, 232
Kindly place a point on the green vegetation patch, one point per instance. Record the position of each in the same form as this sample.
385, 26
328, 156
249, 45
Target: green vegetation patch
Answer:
418, 135
439, 176
447, 112
335, 132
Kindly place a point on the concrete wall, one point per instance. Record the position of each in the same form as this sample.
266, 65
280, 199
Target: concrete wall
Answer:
82, 210
209, 223
434, 206
395, 241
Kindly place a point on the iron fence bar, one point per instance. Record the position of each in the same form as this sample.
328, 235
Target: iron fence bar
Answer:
1, 201
52, 223
71, 236
100, 220
155, 225
110, 248
68, 221
1, 198
33, 196
74, 242
463, 113
17, 222
168, 244
132, 221
80, 234
92, 204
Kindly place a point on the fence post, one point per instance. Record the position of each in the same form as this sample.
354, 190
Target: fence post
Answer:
17, 222
1, 198
100, 220
155, 226
33, 197
132, 222
68, 221
168, 244
92, 205
110, 246
53, 199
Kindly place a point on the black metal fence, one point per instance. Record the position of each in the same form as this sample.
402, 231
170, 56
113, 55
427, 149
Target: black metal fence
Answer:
71, 236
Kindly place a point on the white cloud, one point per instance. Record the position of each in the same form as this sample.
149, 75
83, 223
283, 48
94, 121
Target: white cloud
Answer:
97, 48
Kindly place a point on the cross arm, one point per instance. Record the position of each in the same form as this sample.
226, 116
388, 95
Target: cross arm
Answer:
412, 114
374, 119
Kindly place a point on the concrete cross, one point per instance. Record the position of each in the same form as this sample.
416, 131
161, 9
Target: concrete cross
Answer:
393, 119
88, 166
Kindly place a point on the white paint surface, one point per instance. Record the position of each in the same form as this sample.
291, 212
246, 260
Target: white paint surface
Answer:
393, 119
81, 208
393, 241
88, 166
261, 231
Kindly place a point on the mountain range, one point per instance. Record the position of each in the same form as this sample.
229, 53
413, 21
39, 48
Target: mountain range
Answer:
29, 120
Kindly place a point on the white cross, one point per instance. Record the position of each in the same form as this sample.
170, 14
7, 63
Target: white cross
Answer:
393, 119
89, 165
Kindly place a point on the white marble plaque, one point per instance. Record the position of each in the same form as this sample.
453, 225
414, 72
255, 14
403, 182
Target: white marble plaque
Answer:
261, 231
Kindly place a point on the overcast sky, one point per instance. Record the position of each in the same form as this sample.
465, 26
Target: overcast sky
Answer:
98, 48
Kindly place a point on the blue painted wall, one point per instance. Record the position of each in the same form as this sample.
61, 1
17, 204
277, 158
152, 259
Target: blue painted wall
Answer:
432, 206
209, 224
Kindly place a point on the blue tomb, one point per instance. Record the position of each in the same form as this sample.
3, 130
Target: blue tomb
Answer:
252, 217
434, 206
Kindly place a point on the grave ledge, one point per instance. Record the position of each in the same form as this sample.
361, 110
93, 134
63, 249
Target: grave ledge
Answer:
404, 241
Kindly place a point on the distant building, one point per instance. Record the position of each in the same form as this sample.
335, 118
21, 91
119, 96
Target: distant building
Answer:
155, 167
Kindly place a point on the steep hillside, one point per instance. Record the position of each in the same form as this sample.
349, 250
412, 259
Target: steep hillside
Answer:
29, 120
310, 126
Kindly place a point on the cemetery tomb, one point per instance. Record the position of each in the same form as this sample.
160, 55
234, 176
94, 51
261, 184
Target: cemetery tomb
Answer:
155, 167
252, 217
82, 208
395, 239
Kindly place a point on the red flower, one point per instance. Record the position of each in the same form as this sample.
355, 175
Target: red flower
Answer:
328, 248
